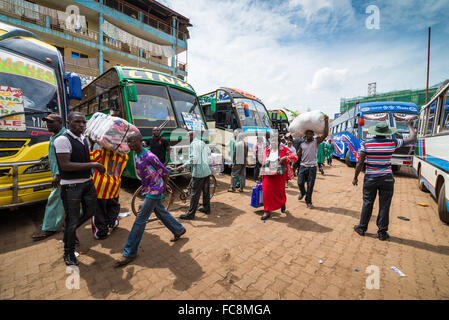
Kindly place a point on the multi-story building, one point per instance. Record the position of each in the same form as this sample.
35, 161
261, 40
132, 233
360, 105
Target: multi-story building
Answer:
93, 35
417, 97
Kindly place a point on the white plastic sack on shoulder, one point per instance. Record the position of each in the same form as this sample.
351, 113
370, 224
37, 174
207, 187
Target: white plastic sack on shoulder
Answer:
313, 120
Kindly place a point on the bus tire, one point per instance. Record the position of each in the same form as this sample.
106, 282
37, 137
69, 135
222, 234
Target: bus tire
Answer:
348, 163
421, 185
442, 208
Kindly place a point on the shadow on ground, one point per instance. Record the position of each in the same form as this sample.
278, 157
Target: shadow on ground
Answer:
103, 279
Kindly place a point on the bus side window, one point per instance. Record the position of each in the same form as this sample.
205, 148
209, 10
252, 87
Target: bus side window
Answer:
93, 105
115, 102
430, 118
445, 113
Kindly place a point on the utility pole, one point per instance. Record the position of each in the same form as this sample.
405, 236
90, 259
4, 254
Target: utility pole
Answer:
428, 64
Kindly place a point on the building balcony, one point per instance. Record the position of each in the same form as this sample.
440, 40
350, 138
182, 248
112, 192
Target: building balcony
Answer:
51, 25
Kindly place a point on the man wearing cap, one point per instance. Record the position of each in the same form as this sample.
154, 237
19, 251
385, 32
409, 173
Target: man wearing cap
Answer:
378, 174
54, 211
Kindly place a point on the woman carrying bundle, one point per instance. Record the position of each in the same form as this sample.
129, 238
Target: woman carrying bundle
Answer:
275, 171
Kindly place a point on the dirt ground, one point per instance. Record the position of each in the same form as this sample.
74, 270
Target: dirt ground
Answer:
232, 254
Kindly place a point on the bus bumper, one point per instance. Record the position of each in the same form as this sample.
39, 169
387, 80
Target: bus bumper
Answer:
402, 160
16, 193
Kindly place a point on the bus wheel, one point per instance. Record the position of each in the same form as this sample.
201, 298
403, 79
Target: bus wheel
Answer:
348, 163
421, 185
442, 207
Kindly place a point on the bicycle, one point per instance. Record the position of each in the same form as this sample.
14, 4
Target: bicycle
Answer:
171, 187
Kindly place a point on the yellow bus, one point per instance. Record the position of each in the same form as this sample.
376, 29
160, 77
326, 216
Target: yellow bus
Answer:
32, 85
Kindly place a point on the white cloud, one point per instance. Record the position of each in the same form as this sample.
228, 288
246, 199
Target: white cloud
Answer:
242, 44
328, 79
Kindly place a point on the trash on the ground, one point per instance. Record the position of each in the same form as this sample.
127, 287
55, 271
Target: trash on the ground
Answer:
264, 221
399, 272
321, 261
76, 254
356, 270
403, 218
124, 214
423, 204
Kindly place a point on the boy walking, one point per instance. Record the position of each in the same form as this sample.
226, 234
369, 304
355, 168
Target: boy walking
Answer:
153, 175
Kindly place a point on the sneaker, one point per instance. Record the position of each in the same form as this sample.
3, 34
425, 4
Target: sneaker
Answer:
359, 231
301, 196
100, 237
187, 216
176, 238
123, 261
41, 235
383, 236
70, 259
115, 225
309, 205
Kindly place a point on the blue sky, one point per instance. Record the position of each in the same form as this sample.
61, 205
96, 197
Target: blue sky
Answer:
307, 54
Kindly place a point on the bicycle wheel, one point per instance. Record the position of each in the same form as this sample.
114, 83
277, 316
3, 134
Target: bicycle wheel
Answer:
212, 186
138, 198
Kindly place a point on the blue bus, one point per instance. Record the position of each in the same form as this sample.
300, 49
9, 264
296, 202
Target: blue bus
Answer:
351, 128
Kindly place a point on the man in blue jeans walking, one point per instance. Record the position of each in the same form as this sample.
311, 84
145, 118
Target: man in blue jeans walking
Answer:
153, 176
307, 153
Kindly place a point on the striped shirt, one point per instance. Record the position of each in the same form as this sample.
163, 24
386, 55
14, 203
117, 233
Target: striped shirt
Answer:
378, 155
108, 184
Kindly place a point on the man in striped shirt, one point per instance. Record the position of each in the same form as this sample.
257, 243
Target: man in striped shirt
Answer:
107, 186
378, 175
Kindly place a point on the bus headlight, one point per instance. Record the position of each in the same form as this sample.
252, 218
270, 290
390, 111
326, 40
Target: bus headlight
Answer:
38, 168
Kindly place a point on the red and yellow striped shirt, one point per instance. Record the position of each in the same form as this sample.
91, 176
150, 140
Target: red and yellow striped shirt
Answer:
108, 184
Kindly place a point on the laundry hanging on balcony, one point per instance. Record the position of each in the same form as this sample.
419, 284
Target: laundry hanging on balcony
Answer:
155, 49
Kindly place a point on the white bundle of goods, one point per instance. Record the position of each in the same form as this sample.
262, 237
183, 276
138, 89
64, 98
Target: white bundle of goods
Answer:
109, 132
216, 163
313, 120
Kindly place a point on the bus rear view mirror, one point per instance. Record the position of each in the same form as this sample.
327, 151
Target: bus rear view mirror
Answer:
74, 85
131, 91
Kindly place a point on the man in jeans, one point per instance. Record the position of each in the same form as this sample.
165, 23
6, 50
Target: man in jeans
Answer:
77, 187
198, 162
378, 175
153, 175
307, 152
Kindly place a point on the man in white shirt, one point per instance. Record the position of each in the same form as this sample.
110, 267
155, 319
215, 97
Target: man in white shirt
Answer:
77, 188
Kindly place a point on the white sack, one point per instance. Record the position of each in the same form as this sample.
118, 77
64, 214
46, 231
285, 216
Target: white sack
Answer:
313, 120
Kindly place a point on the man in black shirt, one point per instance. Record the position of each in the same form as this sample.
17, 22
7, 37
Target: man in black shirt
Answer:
159, 146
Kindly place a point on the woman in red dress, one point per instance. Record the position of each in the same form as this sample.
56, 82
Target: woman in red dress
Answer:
273, 186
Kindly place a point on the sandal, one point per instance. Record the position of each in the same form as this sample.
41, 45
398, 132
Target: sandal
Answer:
231, 190
42, 235
240, 190
265, 216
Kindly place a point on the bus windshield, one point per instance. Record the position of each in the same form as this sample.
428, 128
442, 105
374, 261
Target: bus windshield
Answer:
187, 108
37, 95
371, 119
253, 119
263, 114
400, 120
153, 107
